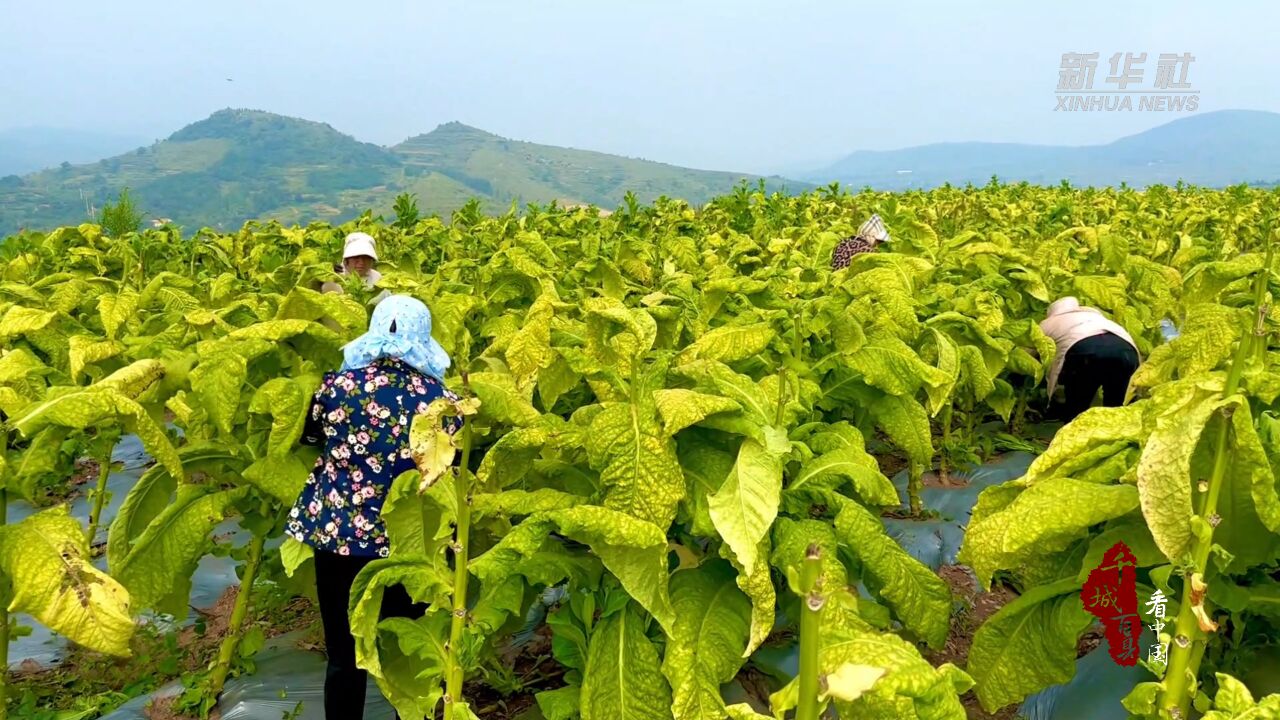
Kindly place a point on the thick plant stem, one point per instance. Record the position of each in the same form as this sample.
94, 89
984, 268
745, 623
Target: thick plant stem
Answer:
1018, 420
1189, 639
811, 602
99, 497
915, 476
462, 531
231, 642
944, 474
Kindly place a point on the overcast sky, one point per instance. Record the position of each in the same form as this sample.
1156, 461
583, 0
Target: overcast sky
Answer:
725, 84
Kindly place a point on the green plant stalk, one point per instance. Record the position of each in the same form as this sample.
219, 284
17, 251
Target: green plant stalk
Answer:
99, 497
462, 532
1019, 417
1184, 658
811, 601
915, 475
943, 472
227, 651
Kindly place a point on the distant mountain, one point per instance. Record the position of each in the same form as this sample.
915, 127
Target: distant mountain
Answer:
1212, 149
238, 165
24, 150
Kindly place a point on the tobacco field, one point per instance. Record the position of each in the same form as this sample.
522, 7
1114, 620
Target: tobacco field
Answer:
681, 434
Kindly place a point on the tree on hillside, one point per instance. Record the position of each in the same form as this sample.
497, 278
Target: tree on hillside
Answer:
122, 217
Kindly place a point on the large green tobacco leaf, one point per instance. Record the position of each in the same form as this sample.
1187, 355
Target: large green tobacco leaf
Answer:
152, 494
279, 477
91, 407
512, 503
17, 368
735, 386
637, 463
561, 703
424, 581
1164, 470
501, 400
216, 381
757, 583
705, 464
852, 463
729, 343
509, 459
412, 653
18, 321
918, 597
623, 678
1028, 645
1234, 702
948, 363
529, 351
157, 569
45, 561
892, 366
1091, 430
706, 645
1249, 460
306, 304
635, 551
1133, 532
745, 505
116, 310
286, 401
680, 408
1247, 504
1046, 517
278, 331
1206, 340
792, 538
906, 423
910, 687
85, 351
744, 711
41, 457
410, 513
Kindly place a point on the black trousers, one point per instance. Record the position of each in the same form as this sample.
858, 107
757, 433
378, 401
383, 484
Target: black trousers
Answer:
344, 683
1103, 361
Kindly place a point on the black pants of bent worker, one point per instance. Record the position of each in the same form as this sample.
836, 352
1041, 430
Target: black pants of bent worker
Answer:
344, 683
1103, 361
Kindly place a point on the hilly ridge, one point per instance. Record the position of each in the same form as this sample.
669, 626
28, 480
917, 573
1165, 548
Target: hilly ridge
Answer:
239, 165
1213, 149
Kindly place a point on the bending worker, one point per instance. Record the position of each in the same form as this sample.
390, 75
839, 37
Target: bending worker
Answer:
869, 235
1092, 352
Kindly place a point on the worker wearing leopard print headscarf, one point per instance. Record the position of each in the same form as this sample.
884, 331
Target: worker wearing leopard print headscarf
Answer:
871, 234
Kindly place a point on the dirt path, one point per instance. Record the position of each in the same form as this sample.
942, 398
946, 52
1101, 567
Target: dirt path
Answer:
978, 606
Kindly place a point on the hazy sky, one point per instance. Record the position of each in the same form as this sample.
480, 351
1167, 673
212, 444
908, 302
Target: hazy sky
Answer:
733, 84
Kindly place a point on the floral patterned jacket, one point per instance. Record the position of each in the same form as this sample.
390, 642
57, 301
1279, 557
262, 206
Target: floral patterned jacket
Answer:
361, 420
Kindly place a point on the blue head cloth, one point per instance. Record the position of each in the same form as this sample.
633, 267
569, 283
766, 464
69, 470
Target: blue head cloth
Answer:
401, 329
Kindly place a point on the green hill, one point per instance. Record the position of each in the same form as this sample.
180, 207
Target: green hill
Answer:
1213, 149
239, 165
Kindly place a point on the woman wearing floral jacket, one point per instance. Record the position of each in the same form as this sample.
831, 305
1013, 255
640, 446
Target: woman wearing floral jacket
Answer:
360, 418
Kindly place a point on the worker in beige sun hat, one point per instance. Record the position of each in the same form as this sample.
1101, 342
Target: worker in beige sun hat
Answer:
359, 255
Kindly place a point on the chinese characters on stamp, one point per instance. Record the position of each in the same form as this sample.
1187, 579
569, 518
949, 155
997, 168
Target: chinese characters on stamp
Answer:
1110, 594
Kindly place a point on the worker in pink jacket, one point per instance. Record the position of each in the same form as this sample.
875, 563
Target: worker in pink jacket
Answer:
1092, 352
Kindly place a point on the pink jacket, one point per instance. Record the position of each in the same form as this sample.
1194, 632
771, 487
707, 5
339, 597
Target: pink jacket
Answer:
1068, 323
